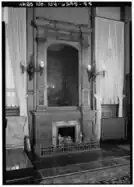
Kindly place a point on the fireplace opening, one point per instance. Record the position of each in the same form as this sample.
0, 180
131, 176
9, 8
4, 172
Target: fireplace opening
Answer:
66, 135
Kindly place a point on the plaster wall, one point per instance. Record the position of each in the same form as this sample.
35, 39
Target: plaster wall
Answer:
74, 15
108, 12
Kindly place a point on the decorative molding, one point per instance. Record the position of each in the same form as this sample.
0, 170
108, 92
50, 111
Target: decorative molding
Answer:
51, 41
86, 109
106, 114
43, 36
109, 110
40, 108
103, 105
12, 111
48, 42
14, 146
60, 30
41, 96
86, 96
30, 92
55, 109
56, 25
93, 84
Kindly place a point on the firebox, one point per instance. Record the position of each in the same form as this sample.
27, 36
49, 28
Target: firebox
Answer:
66, 135
64, 132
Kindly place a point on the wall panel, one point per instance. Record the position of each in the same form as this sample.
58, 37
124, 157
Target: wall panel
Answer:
113, 129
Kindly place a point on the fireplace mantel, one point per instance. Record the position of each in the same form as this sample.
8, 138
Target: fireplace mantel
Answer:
46, 126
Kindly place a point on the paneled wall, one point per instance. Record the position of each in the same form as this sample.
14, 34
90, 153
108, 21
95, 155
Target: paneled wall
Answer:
30, 54
128, 70
128, 19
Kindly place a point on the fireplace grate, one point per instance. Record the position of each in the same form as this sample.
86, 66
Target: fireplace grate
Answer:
68, 148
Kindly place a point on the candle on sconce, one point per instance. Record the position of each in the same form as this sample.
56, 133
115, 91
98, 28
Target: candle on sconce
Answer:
42, 64
103, 70
89, 67
103, 67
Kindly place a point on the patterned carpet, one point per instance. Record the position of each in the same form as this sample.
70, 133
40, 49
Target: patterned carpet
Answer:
115, 175
121, 180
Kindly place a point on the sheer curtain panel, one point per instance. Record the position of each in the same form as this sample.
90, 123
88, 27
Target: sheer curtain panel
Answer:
11, 98
16, 36
109, 52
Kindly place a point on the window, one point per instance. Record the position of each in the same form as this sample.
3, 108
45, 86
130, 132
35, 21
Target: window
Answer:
62, 75
11, 98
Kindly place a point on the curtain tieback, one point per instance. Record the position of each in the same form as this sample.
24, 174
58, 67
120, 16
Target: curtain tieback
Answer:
121, 98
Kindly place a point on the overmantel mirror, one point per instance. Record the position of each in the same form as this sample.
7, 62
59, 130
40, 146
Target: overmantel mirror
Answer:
58, 86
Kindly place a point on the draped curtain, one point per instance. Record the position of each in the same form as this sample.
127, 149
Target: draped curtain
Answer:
16, 37
109, 53
11, 98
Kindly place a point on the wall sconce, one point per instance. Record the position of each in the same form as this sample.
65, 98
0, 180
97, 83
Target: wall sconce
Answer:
30, 69
91, 71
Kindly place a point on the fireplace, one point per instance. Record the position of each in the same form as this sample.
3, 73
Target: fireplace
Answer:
66, 137
65, 132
